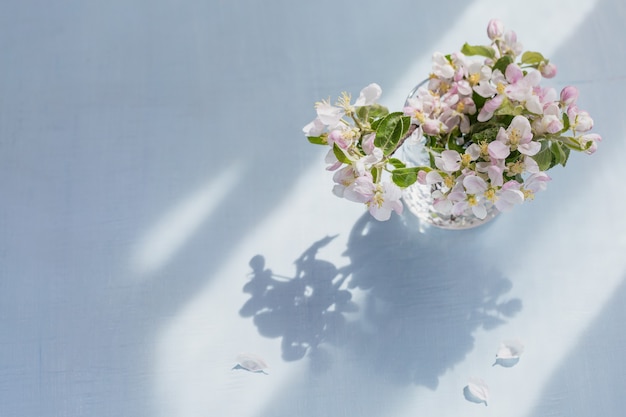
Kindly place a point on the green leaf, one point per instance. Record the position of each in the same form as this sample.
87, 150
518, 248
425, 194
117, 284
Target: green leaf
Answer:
390, 130
452, 145
341, 157
566, 123
396, 163
533, 58
558, 153
403, 177
486, 135
544, 156
566, 150
478, 100
471, 50
502, 63
375, 174
363, 112
317, 140
376, 111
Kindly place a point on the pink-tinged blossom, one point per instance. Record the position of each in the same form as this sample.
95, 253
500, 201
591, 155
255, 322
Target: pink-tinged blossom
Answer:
369, 95
456, 112
495, 29
475, 188
380, 198
386, 198
328, 114
432, 177
494, 90
594, 138
471, 74
495, 173
422, 108
521, 87
546, 95
315, 128
569, 95
441, 203
449, 161
548, 70
508, 196
510, 45
519, 136
489, 108
498, 149
444, 202
580, 120
551, 121
361, 190
433, 127
535, 183
332, 161
343, 136
494, 85
442, 68
421, 177
365, 163
343, 179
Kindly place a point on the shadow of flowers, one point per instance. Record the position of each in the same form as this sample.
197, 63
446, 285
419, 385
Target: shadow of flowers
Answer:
306, 309
418, 299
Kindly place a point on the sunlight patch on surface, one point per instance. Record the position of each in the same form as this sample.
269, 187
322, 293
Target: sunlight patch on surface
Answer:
178, 225
198, 348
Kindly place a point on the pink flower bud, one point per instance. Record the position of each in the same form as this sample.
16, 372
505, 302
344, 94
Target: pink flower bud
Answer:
594, 138
421, 177
548, 70
432, 127
495, 29
569, 95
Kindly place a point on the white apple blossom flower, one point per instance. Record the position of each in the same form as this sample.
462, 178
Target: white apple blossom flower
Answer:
488, 127
368, 95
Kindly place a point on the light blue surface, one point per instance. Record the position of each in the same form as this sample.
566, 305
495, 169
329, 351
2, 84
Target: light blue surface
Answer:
150, 150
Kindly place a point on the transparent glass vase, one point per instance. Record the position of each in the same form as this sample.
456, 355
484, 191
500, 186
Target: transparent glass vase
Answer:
418, 198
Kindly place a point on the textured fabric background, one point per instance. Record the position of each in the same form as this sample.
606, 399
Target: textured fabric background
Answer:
152, 168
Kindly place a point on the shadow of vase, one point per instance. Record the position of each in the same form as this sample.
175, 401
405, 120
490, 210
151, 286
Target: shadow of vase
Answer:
406, 305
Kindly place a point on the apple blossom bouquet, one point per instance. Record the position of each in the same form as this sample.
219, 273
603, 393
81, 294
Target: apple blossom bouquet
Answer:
490, 131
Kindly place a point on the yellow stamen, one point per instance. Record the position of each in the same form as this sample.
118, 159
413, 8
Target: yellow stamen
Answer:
484, 148
419, 116
516, 167
490, 194
500, 88
474, 79
528, 195
471, 200
514, 138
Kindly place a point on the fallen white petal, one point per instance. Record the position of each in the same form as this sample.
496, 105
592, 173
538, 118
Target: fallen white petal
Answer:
509, 353
510, 349
251, 362
476, 391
